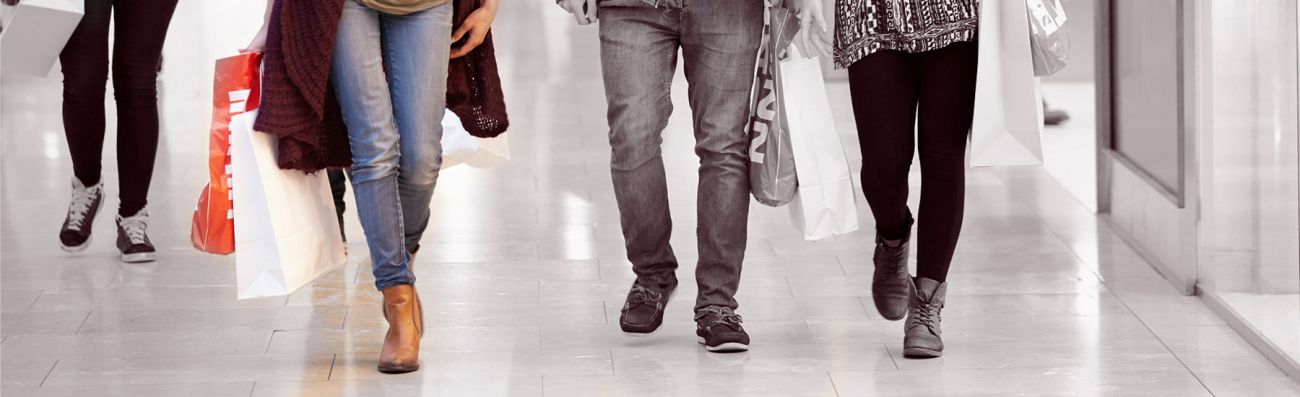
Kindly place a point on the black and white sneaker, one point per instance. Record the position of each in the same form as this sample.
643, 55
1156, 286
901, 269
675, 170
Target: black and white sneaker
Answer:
75, 235
132, 238
719, 330
643, 312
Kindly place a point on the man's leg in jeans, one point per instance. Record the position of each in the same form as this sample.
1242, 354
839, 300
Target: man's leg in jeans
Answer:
719, 44
638, 57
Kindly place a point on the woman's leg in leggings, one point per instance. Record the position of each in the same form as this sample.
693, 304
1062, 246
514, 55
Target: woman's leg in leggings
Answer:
947, 105
140, 31
85, 73
884, 91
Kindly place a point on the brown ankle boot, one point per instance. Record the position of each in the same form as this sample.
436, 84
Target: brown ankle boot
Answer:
401, 352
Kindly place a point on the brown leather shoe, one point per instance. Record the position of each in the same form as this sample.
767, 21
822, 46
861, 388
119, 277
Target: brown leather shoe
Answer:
401, 352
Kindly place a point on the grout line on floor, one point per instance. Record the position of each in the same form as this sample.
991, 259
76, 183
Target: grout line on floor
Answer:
50, 372
269, 340
83, 322
834, 388
891, 357
333, 361
36, 299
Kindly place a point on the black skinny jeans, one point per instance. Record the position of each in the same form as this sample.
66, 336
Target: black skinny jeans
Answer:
932, 93
140, 30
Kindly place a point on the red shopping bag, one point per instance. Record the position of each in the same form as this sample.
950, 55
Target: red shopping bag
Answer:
236, 89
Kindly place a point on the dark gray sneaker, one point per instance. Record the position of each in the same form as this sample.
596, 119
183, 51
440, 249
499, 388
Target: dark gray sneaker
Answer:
891, 285
921, 332
132, 238
643, 312
719, 330
75, 234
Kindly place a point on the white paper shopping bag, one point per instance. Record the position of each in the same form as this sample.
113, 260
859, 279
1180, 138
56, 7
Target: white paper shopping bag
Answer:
459, 147
1008, 123
286, 230
824, 203
35, 34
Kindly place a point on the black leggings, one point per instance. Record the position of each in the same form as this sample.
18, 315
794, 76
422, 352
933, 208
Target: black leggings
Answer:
140, 30
932, 93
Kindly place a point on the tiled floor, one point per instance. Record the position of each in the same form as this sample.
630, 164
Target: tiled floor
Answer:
523, 271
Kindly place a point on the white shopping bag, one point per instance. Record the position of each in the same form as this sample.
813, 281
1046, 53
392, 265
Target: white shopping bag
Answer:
35, 34
286, 230
824, 203
458, 146
1008, 123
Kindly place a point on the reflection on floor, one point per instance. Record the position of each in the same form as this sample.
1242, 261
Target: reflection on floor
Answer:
523, 273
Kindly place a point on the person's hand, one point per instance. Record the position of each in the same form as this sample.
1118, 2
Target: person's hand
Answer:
583, 10
812, 37
476, 25
259, 41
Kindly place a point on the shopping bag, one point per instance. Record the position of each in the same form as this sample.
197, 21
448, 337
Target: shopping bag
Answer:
236, 89
35, 34
824, 204
286, 230
460, 147
1008, 122
771, 168
1049, 42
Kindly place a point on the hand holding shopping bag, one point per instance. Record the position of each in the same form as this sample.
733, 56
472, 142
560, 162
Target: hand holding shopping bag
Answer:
1008, 123
286, 230
771, 166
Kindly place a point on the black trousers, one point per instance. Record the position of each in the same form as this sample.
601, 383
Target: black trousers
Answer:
905, 102
138, 36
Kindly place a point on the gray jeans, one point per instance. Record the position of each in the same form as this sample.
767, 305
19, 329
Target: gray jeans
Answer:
719, 42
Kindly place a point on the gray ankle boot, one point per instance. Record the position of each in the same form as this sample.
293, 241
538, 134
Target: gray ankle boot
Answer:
891, 285
921, 331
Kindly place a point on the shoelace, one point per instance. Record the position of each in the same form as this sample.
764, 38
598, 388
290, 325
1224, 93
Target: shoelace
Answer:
894, 255
724, 315
135, 227
82, 198
927, 313
642, 295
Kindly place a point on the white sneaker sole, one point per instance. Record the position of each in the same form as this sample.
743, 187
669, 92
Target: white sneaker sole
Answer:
725, 347
139, 257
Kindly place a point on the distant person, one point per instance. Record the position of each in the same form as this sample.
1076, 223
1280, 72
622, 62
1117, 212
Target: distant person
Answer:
139, 32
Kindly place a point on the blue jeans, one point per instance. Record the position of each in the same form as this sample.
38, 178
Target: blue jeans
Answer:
638, 49
393, 111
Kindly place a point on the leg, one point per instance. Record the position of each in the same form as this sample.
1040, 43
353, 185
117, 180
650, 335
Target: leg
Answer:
720, 45
141, 29
339, 187
884, 91
947, 106
85, 74
638, 51
363, 94
416, 48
